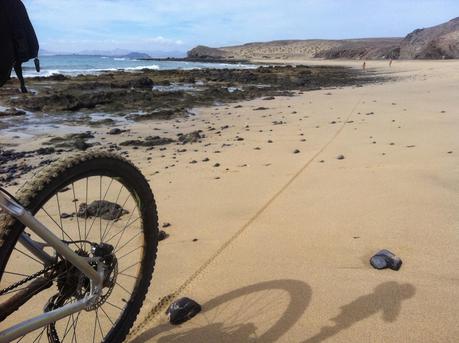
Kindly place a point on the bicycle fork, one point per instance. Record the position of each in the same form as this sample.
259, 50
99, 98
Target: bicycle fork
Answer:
11, 207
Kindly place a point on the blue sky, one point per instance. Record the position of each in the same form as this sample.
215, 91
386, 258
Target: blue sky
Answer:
178, 25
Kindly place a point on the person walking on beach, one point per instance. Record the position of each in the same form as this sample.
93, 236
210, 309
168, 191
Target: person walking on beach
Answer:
390, 62
364, 66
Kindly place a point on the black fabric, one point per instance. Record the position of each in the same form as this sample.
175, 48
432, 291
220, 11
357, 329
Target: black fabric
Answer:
18, 41
6, 46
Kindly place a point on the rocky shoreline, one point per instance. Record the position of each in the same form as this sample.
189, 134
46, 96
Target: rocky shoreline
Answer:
142, 97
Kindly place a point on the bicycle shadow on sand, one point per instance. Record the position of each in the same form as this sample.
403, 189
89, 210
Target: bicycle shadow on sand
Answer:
226, 318
386, 298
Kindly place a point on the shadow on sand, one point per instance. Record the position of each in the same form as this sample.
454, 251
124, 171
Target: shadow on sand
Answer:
386, 298
257, 299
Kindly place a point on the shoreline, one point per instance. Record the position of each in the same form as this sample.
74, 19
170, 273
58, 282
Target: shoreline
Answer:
81, 110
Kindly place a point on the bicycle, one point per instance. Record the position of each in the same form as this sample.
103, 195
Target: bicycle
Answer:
78, 243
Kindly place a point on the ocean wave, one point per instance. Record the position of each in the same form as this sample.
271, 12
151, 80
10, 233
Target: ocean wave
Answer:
151, 66
119, 59
73, 72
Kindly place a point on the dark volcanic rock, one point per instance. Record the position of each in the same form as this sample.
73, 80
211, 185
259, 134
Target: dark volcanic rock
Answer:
131, 93
148, 142
182, 310
101, 208
12, 112
115, 131
191, 137
158, 114
73, 140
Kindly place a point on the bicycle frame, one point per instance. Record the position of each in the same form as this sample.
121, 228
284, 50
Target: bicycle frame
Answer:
14, 209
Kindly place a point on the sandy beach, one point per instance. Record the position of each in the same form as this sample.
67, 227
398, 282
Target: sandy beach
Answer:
271, 232
302, 226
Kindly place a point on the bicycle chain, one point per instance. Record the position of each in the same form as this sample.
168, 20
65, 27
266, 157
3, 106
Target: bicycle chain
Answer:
27, 279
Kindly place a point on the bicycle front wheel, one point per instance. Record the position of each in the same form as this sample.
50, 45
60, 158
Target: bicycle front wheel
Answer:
88, 199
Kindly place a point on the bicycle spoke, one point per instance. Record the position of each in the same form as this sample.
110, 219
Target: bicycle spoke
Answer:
32, 258
119, 308
100, 200
127, 275
60, 214
98, 322
122, 230
94, 332
86, 212
123, 288
116, 201
76, 214
129, 241
98, 211
60, 227
39, 336
124, 204
111, 321
67, 329
130, 252
127, 268
74, 337
18, 274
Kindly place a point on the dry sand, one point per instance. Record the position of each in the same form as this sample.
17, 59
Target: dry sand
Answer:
299, 271
302, 226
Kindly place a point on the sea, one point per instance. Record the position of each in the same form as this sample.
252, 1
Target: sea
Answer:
78, 64
42, 123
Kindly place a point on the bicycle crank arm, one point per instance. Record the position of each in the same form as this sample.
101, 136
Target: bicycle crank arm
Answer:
42, 320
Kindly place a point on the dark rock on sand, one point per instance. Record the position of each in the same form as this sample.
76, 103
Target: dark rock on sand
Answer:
45, 151
182, 310
74, 141
67, 215
157, 114
162, 235
191, 137
386, 259
101, 208
115, 131
149, 141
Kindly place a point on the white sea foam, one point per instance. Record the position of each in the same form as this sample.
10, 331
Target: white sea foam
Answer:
152, 66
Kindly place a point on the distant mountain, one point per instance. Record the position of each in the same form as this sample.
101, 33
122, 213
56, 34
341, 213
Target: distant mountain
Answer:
441, 41
121, 53
136, 55
437, 42
111, 53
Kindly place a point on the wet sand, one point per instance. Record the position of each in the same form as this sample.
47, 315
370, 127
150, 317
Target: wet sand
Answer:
302, 224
